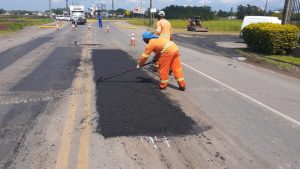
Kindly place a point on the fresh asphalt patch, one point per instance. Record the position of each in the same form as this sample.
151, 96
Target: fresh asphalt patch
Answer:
11, 55
130, 105
56, 72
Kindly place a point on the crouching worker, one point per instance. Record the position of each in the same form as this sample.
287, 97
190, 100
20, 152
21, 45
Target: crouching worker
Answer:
168, 57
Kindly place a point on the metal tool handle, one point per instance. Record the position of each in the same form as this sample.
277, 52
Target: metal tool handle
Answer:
119, 74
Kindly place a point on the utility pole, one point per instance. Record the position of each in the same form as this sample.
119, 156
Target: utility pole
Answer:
113, 8
266, 5
50, 9
287, 11
67, 4
150, 14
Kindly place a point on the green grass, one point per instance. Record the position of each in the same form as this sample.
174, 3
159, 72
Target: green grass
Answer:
282, 62
287, 59
224, 25
12, 24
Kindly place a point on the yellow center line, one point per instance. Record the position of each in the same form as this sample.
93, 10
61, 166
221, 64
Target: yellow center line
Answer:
83, 152
62, 160
84, 142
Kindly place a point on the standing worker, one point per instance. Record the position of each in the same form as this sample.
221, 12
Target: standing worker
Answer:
163, 29
169, 57
163, 26
100, 20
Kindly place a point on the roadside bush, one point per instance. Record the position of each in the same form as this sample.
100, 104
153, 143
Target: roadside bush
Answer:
271, 38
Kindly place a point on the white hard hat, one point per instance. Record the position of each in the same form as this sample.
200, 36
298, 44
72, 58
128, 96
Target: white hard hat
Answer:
161, 13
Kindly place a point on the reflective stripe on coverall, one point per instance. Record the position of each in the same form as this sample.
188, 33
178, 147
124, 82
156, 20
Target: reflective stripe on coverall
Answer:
169, 57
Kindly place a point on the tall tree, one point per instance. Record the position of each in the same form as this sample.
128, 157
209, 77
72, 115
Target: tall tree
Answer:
243, 11
181, 12
223, 14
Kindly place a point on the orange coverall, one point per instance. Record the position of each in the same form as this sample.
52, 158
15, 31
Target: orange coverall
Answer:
164, 29
169, 57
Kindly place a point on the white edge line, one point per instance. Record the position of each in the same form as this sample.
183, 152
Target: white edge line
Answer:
246, 96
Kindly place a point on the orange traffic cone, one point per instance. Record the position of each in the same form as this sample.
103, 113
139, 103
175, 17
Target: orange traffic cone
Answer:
73, 27
107, 28
57, 27
132, 40
89, 27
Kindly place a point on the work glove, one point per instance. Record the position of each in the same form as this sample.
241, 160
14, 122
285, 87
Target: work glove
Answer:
171, 38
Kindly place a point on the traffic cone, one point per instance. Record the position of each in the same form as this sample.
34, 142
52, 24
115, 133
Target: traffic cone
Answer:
132, 40
89, 27
57, 27
73, 27
107, 29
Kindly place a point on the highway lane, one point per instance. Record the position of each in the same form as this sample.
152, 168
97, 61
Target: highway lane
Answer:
52, 110
28, 90
256, 107
262, 113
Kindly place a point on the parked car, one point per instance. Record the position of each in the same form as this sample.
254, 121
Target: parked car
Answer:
67, 18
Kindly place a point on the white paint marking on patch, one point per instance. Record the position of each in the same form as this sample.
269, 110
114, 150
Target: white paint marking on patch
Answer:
152, 141
245, 96
166, 141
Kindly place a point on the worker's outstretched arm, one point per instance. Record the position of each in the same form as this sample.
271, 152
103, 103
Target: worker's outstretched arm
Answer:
145, 55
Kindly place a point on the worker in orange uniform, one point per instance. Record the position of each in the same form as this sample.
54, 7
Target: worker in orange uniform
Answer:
169, 57
163, 26
163, 29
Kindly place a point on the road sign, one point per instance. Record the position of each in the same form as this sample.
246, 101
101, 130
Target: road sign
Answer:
136, 10
153, 10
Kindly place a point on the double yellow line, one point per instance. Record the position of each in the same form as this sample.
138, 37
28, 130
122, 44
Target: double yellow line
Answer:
51, 26
63, 157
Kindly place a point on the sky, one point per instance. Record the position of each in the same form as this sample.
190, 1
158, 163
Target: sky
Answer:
42, 5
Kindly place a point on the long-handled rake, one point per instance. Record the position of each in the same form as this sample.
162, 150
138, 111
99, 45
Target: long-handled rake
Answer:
101, 78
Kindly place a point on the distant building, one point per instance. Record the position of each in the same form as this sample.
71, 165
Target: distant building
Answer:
277, 11
41, 14
232, 17
188, 6
7, 13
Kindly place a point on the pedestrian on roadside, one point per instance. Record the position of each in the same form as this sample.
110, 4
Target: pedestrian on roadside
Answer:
168, 58
100, 20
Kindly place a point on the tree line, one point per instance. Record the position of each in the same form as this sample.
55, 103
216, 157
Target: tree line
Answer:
206, 12
184, 12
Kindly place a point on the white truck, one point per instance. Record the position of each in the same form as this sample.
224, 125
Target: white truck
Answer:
258, 19
77, 14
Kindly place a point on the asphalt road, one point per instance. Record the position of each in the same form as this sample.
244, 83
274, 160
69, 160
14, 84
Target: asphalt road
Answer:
223, 45
232, 115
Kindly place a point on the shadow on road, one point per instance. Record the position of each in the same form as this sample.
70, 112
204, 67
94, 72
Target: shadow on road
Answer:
130, 105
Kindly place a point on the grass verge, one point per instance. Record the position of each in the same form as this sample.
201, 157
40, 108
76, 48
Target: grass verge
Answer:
280, 62
13, 24
224, 25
